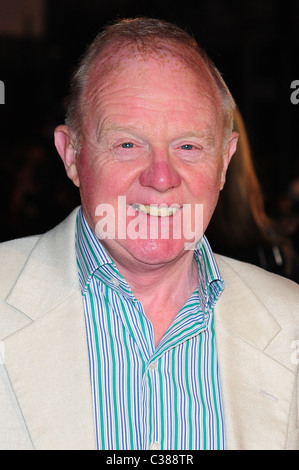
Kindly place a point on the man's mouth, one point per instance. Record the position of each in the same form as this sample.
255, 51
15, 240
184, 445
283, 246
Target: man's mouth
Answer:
156, 211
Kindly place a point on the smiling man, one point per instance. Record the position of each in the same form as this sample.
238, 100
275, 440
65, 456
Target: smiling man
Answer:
122, 329
154, 134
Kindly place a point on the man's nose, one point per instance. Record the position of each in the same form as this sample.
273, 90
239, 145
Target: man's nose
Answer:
160, 175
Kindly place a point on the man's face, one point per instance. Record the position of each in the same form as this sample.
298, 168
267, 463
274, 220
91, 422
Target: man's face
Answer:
153, 135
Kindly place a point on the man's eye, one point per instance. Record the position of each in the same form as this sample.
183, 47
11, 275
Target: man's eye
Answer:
127, 145
127, 150
189, 152
187, 147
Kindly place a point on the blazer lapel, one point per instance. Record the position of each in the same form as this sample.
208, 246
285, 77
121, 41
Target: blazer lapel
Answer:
47, 361
256, 389
50, 273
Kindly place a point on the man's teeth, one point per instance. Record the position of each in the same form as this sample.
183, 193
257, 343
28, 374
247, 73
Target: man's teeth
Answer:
155, 210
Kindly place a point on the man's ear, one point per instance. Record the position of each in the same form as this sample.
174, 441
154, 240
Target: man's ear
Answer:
227, 155
65, 146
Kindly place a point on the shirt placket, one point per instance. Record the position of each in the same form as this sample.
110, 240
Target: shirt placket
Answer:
151, 408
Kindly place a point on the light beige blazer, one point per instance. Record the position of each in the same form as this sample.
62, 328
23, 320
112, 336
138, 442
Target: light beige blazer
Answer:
45, 393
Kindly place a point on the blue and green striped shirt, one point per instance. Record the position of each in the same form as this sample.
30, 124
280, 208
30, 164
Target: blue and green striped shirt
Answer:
146, 397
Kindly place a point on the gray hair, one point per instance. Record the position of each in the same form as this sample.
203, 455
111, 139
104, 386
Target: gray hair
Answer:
147, 35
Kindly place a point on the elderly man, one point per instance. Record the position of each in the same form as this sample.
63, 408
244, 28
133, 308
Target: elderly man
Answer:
120, 328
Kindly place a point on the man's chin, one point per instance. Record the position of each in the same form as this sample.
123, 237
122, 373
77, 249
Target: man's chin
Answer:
152, 251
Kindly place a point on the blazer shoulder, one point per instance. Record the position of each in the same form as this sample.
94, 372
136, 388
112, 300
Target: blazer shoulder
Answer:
22, 245
13, 256
51, 248
279, 294
37, 273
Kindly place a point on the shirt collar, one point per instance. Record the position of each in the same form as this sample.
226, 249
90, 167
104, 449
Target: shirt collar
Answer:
90, 253
211, 283
207, 262
92, 257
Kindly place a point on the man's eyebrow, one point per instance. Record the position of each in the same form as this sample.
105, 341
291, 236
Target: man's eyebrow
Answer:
206, 135
112, 127
203, 134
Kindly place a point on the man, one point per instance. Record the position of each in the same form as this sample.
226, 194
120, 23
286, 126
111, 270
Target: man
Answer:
120, 329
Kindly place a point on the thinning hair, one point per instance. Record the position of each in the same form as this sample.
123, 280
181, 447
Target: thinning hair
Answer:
147, 35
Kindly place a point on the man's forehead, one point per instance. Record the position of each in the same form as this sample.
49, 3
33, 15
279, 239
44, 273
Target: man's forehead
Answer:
115, 58
112, 73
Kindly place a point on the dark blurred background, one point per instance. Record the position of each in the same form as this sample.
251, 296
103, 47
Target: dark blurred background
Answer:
254, 43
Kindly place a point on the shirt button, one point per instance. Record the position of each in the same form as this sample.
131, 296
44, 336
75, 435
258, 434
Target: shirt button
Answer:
115, 282
153, 365
155, 446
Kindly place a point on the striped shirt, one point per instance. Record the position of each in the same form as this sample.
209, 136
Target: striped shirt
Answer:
147, 397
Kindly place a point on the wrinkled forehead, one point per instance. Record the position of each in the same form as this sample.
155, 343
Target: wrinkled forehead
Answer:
114, 59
